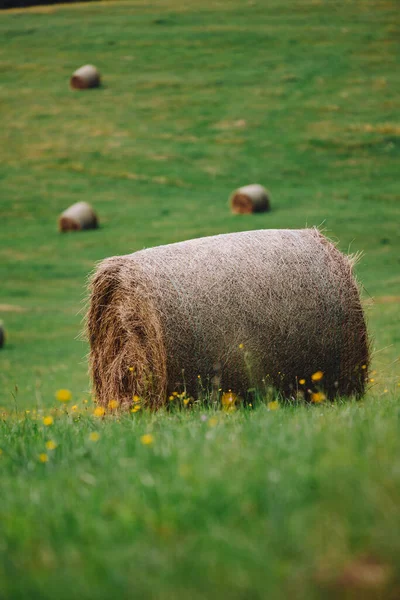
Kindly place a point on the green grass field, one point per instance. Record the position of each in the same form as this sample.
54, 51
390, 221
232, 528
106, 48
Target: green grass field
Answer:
198, 99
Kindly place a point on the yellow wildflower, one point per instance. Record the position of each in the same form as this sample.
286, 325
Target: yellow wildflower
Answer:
241, 346
99, 411
212, 422
136, 399
27, 412
48, 421
135, 409
131, 369
364, 367
94, 436
274, 405
51, 445
228, 399
175, 394
317, 376
186, 401
372, 380
113, 404
63, 395
385, 391
147, 439
318, 397
302, 381
43, 457
85, 401
171, 398
74, 408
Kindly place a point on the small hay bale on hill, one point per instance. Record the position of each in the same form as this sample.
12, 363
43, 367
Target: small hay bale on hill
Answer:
77, 217
85, 77
2, 335
250, 309
249, 199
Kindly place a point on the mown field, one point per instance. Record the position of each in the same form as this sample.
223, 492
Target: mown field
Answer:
198, 99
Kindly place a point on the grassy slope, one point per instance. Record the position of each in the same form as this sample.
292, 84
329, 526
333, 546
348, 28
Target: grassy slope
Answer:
161, 146
302, 96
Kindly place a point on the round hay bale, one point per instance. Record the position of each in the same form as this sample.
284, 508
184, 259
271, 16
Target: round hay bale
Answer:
2, 335
77, 217
85, 77
245, 310
249, 199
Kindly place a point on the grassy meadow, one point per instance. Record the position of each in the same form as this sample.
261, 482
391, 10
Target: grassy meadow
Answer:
197, 99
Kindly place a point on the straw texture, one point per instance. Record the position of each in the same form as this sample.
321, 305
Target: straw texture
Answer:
240, 310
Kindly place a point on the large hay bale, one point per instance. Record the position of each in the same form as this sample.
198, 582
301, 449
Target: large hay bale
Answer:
77, 217
246, 309
249, 199
85, 77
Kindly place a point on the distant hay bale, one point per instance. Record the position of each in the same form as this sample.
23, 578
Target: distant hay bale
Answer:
249, 199
85, 77
242, 310
78, 216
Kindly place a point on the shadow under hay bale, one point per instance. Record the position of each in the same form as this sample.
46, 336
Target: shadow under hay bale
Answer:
77, 217
85, 77
250, 199
248, 309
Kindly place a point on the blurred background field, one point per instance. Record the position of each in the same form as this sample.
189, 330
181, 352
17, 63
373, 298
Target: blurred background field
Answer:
197, 99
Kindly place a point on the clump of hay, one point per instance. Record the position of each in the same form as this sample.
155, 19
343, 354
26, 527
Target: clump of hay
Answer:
85, 77
250, 199
77, 217
239, 311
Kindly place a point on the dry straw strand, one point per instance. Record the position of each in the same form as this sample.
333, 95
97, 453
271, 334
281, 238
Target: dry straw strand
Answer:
245, 310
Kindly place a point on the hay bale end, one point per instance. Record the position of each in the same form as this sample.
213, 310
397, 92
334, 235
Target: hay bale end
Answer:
77, 217
249, 199
85, 77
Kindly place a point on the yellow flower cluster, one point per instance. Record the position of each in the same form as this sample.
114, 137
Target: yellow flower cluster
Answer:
183, 397
137, 406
